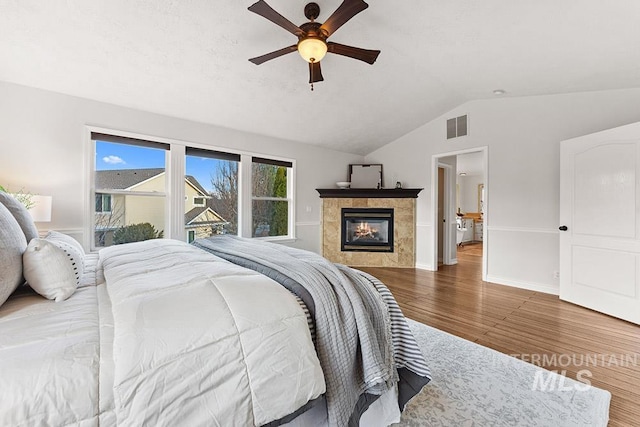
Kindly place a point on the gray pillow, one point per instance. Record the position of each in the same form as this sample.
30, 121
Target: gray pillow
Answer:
12, 246
21, 214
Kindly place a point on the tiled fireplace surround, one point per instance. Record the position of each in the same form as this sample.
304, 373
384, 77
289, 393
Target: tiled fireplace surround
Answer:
403, 203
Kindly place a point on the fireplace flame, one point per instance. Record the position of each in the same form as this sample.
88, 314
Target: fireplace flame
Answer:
364, 230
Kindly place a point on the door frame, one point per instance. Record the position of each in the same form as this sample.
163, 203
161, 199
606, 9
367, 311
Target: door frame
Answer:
448, 174
435, 163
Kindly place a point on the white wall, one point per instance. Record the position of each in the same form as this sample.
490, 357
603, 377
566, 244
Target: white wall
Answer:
42, 137
522, 136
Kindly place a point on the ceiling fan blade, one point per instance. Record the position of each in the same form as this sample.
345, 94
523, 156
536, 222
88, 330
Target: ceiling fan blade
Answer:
263, 9
366, 55
347, 10
272, 55
315, 74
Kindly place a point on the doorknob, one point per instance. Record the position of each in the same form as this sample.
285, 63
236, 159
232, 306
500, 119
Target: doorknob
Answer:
563, 228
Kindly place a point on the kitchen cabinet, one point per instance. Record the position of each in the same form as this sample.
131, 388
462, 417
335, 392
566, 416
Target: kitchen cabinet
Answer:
468, 235
478, 231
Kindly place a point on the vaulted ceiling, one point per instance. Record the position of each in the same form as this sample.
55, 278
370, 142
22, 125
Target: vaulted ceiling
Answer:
189, 59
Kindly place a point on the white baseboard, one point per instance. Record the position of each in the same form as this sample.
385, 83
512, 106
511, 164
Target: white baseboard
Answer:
427, 267
537, 287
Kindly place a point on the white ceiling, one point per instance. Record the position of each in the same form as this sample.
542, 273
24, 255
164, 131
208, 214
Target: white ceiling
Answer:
470, 163
188, 59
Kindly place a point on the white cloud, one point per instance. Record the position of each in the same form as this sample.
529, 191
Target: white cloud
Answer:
114, 160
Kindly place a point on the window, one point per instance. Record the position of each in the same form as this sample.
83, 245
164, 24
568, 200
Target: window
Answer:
214, 174
205, 192
271, 196
129, 187
103, 203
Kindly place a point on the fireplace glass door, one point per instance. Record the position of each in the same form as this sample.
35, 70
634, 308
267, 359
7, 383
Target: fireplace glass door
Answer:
367, 229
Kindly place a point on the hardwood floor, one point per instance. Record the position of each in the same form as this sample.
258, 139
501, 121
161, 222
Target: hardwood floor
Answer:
534, 326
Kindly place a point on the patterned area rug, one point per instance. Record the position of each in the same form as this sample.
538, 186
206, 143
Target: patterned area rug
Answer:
477, 386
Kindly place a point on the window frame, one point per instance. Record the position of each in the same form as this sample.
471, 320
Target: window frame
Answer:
195, 150
201, 204
174, 194
127, 139
289, 164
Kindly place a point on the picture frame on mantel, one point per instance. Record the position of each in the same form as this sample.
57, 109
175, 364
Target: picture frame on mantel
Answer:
365, 175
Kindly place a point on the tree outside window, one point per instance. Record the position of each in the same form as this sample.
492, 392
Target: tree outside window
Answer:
224, 195
270, 198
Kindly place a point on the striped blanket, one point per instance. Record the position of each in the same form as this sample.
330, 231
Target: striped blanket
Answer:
363, 342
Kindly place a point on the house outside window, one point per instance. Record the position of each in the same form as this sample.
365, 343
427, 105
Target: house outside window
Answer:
135, 199
130, 201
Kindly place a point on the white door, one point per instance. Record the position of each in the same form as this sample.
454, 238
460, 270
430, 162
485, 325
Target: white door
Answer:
600, 227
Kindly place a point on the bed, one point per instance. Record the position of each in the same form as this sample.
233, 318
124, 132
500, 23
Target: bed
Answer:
227, 331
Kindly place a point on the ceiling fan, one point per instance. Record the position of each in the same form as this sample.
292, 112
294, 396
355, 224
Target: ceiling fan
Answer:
312, 36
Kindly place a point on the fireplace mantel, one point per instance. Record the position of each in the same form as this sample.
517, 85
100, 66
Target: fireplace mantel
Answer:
369, 193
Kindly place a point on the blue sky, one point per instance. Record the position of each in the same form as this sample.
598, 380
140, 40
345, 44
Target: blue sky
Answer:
110, 156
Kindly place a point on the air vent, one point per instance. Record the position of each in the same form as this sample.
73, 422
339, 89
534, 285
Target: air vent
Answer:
457, 127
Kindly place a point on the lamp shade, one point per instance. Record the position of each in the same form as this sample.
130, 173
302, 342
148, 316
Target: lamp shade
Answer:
41, 209
312, 49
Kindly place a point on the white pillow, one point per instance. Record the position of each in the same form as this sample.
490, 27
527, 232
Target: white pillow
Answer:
53, 266
55, 236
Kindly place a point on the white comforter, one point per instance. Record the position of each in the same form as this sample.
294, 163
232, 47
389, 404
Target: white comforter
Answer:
190, 339
49, 358
200, 341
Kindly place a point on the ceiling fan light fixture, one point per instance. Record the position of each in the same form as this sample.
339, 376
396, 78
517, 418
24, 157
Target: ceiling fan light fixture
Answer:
312, 49
312, 36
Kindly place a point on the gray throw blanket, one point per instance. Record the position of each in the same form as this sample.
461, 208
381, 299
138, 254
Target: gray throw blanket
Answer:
354, 340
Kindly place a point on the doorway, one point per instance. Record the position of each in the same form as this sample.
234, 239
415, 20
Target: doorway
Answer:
460, 185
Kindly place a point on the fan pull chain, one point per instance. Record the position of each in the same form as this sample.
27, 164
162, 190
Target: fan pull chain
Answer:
312, 61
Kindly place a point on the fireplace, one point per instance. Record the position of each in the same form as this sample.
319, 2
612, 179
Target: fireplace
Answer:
402, 202
367, 229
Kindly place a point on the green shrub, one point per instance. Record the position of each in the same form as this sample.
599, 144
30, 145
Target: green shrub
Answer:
136, 233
